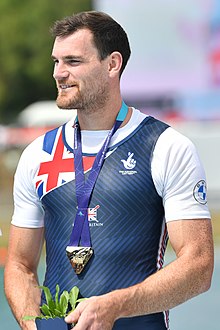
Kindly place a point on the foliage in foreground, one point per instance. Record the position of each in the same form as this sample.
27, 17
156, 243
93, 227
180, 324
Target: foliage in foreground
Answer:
59, 305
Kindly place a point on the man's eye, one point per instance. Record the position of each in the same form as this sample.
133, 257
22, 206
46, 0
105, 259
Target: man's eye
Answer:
73, 62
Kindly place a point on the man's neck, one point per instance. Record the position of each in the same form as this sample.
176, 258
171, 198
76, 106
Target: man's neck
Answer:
102, 119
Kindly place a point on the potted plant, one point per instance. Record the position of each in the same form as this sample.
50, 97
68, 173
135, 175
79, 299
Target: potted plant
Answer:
56, 309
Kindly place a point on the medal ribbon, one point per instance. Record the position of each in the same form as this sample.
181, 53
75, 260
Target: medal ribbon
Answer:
81, 232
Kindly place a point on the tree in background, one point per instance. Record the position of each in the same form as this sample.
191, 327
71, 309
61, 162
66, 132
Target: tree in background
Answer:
25, 48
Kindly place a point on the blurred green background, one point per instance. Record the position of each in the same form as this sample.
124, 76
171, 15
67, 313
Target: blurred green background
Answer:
25, 48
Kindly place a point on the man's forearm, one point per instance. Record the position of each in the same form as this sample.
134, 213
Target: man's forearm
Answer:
164, 290
161, 291
184, 278
23, 293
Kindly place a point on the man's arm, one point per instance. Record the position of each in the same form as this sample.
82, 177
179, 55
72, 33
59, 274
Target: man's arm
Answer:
21, 282
189, 275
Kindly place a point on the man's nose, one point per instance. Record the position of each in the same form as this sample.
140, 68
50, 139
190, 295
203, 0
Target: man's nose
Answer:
60, 71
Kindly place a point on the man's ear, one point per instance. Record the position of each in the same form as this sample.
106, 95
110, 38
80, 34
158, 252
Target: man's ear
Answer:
115, 64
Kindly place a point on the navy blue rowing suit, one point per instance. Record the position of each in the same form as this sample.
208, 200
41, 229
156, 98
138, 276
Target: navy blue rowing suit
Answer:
126, 219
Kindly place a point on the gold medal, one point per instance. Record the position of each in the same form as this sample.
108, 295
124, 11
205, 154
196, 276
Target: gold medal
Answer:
79, 257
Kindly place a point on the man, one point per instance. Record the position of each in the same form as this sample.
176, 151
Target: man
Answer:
143, 182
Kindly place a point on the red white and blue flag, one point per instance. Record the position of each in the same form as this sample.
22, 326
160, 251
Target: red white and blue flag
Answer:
59, 166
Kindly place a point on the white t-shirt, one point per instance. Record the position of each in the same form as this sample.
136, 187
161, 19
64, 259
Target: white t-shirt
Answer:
177, 173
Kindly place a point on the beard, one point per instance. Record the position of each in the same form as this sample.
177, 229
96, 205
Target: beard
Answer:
66, 101
92, 98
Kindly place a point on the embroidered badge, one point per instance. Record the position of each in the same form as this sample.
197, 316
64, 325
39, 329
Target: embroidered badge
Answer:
200, 193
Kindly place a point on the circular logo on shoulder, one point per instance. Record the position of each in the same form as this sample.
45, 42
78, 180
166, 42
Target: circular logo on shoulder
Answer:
199, 192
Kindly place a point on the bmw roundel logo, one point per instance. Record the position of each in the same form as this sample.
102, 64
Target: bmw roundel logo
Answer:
200, 193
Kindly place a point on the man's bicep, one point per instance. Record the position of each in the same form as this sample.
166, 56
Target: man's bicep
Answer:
25, 245
192, 236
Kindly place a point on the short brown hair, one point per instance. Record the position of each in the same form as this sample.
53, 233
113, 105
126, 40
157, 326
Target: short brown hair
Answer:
108, 35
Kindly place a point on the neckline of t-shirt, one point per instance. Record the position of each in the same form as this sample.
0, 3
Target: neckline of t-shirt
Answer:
93, 140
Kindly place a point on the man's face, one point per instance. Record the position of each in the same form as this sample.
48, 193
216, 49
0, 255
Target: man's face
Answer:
81, 78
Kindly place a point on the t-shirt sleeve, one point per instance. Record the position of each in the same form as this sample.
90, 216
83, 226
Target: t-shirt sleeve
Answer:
179, 177
28, 210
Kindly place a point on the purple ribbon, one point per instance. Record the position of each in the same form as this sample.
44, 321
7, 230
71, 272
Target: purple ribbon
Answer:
80, 233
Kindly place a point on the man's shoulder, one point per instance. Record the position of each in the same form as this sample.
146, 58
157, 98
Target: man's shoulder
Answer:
38, 143
36, 152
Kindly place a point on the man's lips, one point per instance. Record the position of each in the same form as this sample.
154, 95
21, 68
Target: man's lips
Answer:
66, 86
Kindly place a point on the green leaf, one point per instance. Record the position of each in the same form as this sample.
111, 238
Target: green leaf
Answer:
73, 296
64, 299
57, 313
43, 317
46, 310
47, 317
81, 299
29, 318
48, 296
57, 296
